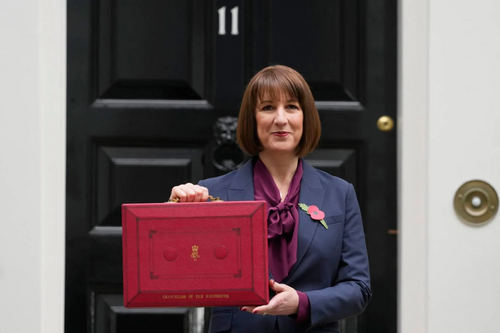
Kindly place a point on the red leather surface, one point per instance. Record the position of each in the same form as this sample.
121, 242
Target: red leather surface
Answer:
195, 254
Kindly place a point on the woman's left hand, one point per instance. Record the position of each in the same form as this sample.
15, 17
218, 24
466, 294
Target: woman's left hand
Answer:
285, 302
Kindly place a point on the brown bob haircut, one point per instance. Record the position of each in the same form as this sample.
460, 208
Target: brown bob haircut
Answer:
275, 81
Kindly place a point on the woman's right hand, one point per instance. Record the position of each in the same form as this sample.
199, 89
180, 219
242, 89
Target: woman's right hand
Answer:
189, 193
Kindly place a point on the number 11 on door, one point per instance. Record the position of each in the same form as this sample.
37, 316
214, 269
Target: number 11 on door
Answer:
222, 20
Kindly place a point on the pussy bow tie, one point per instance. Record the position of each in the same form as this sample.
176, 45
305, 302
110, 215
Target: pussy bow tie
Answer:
280, 220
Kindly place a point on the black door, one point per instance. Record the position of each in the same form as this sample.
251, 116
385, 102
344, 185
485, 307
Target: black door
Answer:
147, 82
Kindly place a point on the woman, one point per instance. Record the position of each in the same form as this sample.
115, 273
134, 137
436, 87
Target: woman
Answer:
319, 270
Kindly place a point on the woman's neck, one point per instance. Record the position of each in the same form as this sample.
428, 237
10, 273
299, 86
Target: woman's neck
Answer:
282, 167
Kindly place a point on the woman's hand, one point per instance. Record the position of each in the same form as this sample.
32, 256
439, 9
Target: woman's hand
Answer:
189, 193
285, 302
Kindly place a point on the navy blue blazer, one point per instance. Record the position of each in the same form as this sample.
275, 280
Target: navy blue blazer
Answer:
332, 264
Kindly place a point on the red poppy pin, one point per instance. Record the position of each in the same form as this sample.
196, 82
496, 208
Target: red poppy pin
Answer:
315, 213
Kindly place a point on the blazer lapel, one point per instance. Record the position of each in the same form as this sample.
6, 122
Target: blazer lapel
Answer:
241, 189
311, 193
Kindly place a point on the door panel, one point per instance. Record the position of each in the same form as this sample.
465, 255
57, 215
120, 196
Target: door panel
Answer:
112, 316
337, 162
149, 87
151, 50
320, 39
132, 175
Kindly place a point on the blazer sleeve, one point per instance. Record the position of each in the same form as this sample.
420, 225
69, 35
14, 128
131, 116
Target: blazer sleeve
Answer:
351, 291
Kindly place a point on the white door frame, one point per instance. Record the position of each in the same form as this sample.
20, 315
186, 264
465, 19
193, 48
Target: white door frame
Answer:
413, 47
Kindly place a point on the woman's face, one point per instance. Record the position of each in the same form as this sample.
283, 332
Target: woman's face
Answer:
279, 123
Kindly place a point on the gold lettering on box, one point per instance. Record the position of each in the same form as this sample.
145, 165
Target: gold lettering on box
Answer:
174, 296
195, 254
216, 296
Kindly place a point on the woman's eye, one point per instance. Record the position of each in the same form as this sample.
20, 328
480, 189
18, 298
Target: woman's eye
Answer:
267, 107
295, 107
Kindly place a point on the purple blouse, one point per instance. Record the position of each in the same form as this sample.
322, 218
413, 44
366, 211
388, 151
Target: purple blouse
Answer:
283, 226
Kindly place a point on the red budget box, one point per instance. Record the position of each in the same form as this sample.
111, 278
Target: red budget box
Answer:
195, 254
